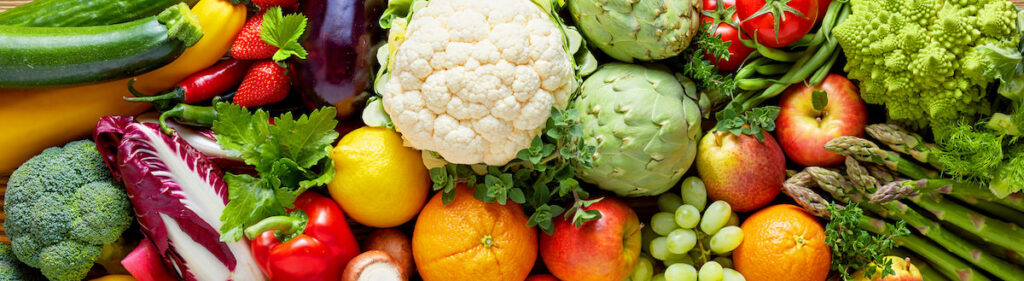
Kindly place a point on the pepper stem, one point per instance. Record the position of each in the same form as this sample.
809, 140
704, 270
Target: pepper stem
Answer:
181, 24
284, 227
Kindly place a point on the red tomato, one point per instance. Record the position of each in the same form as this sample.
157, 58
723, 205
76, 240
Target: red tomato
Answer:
727, 19
822, 8
792, 26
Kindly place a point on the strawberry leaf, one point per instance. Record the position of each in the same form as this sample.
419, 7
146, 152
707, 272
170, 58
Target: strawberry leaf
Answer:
284, 32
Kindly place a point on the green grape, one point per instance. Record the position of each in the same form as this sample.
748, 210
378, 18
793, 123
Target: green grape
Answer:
674, 258
681, 241
663, 223
726, 240
710, 271
647, 234
687, 216
668, 202
681, 272
734, 220
658, 248
724, 261
643, 270
694, 192
730, 274
658, 277
715, 217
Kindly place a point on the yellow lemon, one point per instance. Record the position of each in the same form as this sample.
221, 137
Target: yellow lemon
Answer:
378, 182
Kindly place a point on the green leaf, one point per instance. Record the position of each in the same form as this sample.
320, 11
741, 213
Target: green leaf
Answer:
283, 32
303, 139
516, 195
250, 200
819, 99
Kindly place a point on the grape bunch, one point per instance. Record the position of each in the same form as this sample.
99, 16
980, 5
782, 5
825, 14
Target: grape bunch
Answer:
690, 246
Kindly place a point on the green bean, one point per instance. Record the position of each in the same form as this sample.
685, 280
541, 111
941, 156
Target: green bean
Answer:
803, 68
774, 69
776, 54
754, 84
750, 68
824, 70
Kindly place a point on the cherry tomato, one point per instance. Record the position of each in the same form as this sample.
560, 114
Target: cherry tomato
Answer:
791, 25
727, 20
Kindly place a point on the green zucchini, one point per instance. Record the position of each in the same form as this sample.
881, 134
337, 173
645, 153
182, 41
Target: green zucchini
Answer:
58, 56
59, 13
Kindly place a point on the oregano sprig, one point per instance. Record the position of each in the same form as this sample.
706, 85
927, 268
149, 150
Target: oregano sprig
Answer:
541, 178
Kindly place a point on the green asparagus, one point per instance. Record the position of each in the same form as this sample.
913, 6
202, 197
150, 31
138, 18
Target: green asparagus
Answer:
867, 151
903, 141
949, 265
929, 228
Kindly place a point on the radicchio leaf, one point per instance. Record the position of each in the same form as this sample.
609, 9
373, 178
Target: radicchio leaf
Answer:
178, 195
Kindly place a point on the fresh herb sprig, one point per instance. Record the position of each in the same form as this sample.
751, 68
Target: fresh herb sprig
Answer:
289, 156
754, 122
541, 176
854, 248
706, 74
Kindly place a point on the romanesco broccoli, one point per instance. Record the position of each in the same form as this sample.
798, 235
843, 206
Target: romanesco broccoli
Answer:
62, 207
920, 58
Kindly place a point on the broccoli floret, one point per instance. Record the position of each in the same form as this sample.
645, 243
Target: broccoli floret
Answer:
920, 59
11, 269
62, 207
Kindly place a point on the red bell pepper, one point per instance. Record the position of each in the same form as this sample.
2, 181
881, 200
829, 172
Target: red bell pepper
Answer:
311, 243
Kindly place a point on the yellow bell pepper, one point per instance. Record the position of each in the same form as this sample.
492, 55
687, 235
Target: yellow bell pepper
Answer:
115, 278
32, 120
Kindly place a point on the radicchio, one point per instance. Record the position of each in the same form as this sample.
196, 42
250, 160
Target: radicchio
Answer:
178, 195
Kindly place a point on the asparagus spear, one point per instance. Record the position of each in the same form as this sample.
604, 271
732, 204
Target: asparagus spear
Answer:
796, 187
966, 191
930, 229
1004, 234
950, 266
905, 142
997, 210
867, 151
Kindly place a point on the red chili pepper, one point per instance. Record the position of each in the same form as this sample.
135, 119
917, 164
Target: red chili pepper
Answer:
199, 86
312, 243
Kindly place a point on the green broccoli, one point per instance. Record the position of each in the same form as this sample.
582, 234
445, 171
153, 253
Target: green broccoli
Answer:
11, 269
62, 207
920, 58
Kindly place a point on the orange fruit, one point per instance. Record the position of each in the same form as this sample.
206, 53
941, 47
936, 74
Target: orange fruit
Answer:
472, 240
783, 243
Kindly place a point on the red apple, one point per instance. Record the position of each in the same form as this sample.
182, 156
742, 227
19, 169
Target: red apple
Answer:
803, 131
741, 170
542, 277
603, 249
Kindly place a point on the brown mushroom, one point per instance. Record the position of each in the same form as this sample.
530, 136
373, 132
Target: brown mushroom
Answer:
373, 265
396, 244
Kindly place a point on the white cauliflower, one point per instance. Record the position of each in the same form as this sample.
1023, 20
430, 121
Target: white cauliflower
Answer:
475, 81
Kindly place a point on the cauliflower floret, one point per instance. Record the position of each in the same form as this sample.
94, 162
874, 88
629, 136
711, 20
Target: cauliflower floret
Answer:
475, 81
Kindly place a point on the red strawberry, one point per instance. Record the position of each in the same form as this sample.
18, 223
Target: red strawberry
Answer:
263, 4
265, 83
249, 45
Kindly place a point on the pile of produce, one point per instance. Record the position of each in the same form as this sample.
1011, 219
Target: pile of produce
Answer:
536, 140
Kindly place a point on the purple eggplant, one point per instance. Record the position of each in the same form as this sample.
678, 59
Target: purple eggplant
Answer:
340, 41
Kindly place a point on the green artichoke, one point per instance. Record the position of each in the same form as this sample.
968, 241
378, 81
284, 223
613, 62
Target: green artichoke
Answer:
638, 29
644, 124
